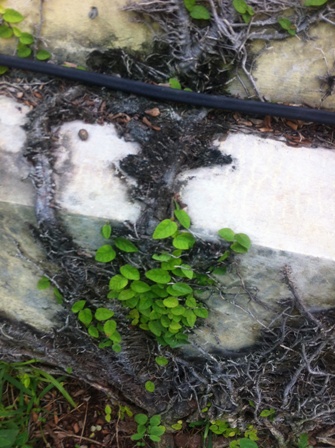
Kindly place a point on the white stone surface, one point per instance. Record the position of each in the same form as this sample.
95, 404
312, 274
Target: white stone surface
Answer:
14, 185
282, 197
87, 176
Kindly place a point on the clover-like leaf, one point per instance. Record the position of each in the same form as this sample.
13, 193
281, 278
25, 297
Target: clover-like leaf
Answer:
165, 229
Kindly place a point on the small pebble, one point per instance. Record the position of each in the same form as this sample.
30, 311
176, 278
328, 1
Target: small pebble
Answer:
83, 134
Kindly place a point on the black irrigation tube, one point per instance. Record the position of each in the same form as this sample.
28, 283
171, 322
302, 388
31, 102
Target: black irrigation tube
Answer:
167, 94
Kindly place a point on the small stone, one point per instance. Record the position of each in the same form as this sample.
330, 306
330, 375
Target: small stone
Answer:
83, 134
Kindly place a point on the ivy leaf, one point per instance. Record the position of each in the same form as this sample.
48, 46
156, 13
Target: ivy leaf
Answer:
130, 272
43, 283
26, 38
105, 254
106, 231
150, 386
236, 247
315, 2
191, 318
165, 229
287, 25
174, 83
126, 294
189, 4
43, 55
243, 240
171, 302
23, 51
187, 271
145, 304
77, 306
141, 419
103, 314
85, 316
201, 312
93, 331
155, 420
5, 32
117, 282
3, 69
58, 295
181, 288
139, 286
109, 327
161, 361
183, 241
240, 6
161, 257
200, 12
247, 443
183, 218
125, 245
191, 302
158, 275
227, 234
155, 327
12, 16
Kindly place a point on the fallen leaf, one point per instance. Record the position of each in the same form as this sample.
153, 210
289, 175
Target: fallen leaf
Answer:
154, 112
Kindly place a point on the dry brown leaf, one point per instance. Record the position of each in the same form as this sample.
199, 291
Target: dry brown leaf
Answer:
154, 112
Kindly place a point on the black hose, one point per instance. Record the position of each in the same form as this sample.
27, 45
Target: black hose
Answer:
167, 94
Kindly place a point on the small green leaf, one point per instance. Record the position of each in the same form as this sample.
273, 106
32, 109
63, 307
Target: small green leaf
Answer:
161, 257
141, 419
155, 420
155, 429
159, 291
17, 32
23, 51
287, 25
43, 283
201, 312
200, 12
161, 360
174, 84
26, 38
116, 348
165, 229
106, 231
191, 302
178, 310
247, 443
236, 247
8, 437
183, 218
78, 306
117, 282
43, 55
125, 245
130, 272
158, 275
191, 318
103, 314
227, 234
224, 256
139, 286
150, 386
219, 271
3, 69
183, 241
243, 240
12, 16
5, 32
126, 294
154, 438
58, 295
315, 2
171, 302
85, 316
109, 327
155, 327
93, 331
240, 6
182, 288
105, 254
189, 4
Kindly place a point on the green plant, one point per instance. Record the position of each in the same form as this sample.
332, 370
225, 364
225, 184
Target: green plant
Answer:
303, 441
25, 41
287, 25
22, 389
174, 83
198, 12
44, 283
268, 413
244, 9
161, 294
315, 2
146, 427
